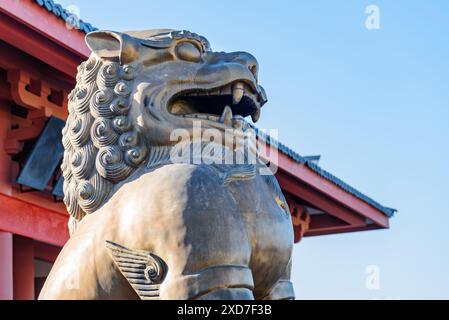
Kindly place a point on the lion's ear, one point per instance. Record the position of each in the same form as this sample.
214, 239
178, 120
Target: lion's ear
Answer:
113, 45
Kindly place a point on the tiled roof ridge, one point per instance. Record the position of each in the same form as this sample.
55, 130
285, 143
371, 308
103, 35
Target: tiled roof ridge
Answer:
68, 17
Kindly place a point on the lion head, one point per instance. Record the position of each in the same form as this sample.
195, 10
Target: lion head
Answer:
133, 91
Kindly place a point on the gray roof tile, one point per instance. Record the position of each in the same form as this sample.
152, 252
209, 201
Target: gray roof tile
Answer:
68, 17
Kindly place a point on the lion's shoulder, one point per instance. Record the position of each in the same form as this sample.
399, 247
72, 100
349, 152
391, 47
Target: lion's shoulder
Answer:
182, 185
194, 179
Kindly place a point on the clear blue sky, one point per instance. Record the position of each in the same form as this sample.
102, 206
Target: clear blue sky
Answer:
374, 104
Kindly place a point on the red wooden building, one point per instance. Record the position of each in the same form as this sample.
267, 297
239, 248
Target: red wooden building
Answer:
39, 54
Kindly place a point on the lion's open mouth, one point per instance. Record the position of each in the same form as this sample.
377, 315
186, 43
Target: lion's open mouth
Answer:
228, 104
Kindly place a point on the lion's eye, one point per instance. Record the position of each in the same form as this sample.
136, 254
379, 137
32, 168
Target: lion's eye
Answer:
188, 51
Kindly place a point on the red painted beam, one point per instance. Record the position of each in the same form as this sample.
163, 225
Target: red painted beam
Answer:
294, 171
11, 58
325, 221
37, 44
317, 199
37, 18
32, 221
336, 230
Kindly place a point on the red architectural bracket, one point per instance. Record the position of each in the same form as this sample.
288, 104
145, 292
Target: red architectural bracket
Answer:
300, 220
15, 138
36, 94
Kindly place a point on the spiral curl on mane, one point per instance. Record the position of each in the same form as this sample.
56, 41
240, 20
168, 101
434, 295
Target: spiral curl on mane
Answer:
102, 147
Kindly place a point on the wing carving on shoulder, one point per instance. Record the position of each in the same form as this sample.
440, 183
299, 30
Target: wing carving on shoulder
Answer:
143, 270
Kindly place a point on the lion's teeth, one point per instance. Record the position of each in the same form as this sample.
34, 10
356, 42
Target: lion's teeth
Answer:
226, 116
237, 92
255, 115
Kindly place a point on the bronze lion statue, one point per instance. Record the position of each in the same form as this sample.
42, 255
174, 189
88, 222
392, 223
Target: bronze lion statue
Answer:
142, 225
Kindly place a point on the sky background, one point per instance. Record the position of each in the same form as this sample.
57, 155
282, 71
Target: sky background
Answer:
373, 103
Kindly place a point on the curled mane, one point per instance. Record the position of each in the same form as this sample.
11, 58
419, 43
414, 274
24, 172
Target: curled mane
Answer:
102, 146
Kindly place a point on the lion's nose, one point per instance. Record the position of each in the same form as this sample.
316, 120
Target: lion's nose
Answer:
247, 60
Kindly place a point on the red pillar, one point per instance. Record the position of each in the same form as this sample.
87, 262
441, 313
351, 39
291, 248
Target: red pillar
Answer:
6, 258
23, 262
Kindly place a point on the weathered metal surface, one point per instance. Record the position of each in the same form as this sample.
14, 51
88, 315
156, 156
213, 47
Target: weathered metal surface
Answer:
174, 230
